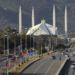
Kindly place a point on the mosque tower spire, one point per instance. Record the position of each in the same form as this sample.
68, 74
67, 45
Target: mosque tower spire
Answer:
65, 18
20, 18
33, 17
54, 19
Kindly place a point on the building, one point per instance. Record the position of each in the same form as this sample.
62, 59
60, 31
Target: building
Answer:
42, 29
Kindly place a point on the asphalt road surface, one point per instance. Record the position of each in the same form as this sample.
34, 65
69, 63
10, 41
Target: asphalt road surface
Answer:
45, 66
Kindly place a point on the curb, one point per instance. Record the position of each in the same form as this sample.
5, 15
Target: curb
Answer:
19, 67
28, 65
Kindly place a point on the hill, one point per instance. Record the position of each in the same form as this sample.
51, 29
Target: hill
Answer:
43, 9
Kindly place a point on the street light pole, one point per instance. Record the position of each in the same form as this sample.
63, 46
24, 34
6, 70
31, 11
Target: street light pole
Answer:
41, 48
7, 45
7, 52
7, 37
30, 41
4, 45
33, 43
25, 38
14, 46
21, 43
14, 43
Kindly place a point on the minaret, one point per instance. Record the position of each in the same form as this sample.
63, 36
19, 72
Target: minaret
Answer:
54, 21
33, 17
65, 18
20, 25
33, 23
20, 19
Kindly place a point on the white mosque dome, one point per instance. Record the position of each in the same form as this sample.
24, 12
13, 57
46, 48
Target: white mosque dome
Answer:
42, 29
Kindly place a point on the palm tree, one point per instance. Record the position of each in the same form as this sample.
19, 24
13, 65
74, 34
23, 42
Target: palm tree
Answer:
11, 35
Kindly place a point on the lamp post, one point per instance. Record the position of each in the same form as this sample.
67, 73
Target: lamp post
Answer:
7, 52
7, 44
25, 38
21, 42
33, 43
40, 40
14, 43
30, 41
4, 45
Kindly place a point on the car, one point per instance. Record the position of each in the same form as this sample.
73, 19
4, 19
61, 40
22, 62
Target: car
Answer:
10, 56
73, 65
13, 59
73, 53
53, 57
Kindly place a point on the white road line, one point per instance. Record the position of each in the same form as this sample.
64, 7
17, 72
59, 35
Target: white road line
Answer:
50, 67
30, 69
40, 65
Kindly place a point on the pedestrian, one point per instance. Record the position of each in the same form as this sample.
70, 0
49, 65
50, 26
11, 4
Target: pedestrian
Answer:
7, 65
60, 58
0, 71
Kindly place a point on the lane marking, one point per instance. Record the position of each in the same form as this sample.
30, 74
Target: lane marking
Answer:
31, 70
41, 65
51, 66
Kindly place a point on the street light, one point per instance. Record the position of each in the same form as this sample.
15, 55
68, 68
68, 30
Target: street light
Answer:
4, 45
14, 42
33, 42
21, 42
25, 38
41, 43
30, 40
7, 44
7, 51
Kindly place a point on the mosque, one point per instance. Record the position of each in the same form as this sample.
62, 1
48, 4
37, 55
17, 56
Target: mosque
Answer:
44, 28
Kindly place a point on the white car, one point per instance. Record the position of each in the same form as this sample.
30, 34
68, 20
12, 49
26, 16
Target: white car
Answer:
73, 65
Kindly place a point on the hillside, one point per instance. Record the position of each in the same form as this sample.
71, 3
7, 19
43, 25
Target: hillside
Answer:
43, 9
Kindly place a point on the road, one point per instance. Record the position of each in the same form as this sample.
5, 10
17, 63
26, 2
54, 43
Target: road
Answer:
45, 66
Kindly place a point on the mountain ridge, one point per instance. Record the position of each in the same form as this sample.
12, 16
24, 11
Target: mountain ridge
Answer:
43, 9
